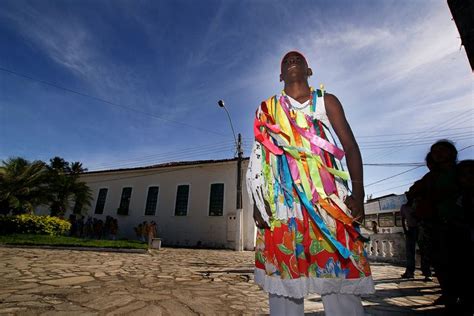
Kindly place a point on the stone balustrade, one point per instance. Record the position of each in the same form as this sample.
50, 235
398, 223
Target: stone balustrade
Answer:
386, 248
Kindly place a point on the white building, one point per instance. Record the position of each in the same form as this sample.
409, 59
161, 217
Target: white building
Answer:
385, 211
193, 203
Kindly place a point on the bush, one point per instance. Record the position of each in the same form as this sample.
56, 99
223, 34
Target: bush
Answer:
33, 224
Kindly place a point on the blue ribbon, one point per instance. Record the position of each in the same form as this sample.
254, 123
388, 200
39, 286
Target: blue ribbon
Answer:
343, 251
287, 181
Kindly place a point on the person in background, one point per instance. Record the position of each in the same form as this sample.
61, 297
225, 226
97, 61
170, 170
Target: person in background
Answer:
465, 180
80, 226
410, 228
144, 232
421, 194
451, 236
113, 228
151, 232
375, 228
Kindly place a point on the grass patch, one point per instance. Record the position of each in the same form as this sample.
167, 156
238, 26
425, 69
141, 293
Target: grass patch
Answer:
46, 240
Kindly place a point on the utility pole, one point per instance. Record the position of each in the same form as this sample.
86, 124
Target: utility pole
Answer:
239, 172
238, 201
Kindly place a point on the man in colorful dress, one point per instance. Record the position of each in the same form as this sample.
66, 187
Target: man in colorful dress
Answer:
308, 238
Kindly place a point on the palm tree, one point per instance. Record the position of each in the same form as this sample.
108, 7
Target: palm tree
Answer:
22, 185
65, 186
76, 168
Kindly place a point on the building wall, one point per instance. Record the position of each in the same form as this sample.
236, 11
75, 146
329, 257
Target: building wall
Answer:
386, 212
197, 227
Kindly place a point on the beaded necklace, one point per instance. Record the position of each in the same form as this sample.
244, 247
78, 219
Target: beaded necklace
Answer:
310, 103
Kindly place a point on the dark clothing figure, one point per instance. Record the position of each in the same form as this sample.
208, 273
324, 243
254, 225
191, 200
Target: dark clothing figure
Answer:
88, 228
72, 220
375, 228
113, 228
423, 205
410, 226
451, 237
411, 236
80, 226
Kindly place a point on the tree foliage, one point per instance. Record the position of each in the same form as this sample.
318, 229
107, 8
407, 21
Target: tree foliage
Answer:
23, 185
65, 186
26, 185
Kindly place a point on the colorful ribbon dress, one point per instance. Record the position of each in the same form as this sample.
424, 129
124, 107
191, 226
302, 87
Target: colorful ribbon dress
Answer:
295, 171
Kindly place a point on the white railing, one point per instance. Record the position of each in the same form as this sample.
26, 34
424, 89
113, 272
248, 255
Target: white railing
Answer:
386, 247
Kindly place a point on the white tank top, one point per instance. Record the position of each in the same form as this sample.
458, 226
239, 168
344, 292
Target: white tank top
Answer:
320, 112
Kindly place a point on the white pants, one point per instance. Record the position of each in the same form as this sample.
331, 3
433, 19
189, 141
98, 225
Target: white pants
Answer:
282, 305
342, 305
334, 305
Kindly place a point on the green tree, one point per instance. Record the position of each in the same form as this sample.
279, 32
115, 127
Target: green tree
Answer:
22, 185
65, 187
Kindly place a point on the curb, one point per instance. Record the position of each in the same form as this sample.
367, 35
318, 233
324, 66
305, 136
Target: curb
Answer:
119, 250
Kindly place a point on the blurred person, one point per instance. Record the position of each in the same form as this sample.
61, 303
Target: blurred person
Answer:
113, 228
450, 234
465, 180
422, 202
151, 232
375, 228
411, 228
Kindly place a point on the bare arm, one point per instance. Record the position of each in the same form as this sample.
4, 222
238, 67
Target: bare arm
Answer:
336, 116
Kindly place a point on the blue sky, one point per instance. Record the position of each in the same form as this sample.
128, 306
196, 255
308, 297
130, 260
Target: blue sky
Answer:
396, 66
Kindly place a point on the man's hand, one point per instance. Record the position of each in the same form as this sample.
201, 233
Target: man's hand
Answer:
343, 131
356, 205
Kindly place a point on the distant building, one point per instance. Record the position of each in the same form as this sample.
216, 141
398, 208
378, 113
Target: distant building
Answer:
193, 203
385, 211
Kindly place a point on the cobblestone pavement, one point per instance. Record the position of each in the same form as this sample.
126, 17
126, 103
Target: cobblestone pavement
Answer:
169, 282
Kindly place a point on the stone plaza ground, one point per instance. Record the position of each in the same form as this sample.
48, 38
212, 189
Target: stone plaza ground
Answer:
170, 282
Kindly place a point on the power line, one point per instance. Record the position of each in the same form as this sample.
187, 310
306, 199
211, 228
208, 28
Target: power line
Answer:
123, 106
435, 129
139, 176
396, 175
393, 176
395, 164
174, 157
398, 186
411, 144
189, 150
397, 182
402, 140
410, 133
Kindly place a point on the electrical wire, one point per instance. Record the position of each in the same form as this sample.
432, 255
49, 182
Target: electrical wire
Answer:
123, 106
191, 150
175, 157
398, 174
412, 144
437, 129
393, 176
404, 140
139, 176
396, 187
